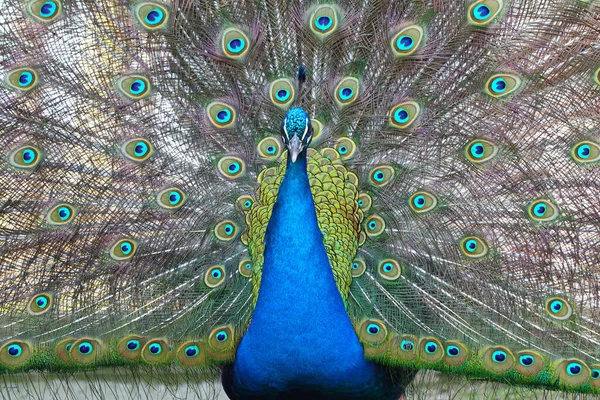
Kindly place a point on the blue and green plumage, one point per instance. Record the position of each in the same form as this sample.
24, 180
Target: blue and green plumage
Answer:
155, 217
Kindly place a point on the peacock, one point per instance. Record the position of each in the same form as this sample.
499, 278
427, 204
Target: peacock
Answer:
301, 199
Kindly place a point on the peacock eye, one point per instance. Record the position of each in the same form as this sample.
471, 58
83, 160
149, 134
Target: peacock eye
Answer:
134, 87
431, 347
151, 16
346, 91
373, 329
407, 345
375, 226
480, 151
155, 348
282, 93
483, 11
422, 202
234, 43
324, 20
452, 351
215, 276
389, 270
123, 249
15, 350
60, 214
499, 356
26, 157
542, 211
501, 85
586, 152
231, 167
220, 114
191, 351
226, 230
85, 348
574, 369
22, 79
133, 345
407, 40
595, 374
137, 150
221, 336
245, 268
40, 304
558, 308
358, 267
526, 360
270, 148
473, 247
345, 148
171, 198
382, 175
43, 10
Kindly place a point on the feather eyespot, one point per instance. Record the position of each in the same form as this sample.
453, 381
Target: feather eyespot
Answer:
473, 247
231, 167
372, 332
542, 211
374, 226
530, 363
234, 43
456, 353
151, 16
171, 198
389, 269
586, 152
358, 267
130, 347
422, 202
191, 354
221, 343
502, 85
14, 353
123, 249
85, 350
226, 230
482, 12
60, 214
22, 79
345, 148
558, 308
479, 151
404, 114
270, 148
573, 372
245, 268
137, 150
215, 276
25, 157
431, 350
407, 40
156, 351
134, 87
220, 114
324, 20
282, 93
39, 304
381, 176
364, 202
44, 10
346, 92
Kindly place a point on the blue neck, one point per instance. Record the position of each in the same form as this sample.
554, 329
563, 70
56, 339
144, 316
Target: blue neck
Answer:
300, 331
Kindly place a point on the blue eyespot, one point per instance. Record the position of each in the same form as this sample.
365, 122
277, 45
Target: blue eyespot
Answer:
234, 167
48, 9
481, 12
452, 351
419, 201
584, 151
343, 150
15, 350
25, 78
405, 43
28, 156
137, 87
388, 267
595, 374
574, 369
477, 150
126, 248
282, 94
401, 116
133, 345
346, 93
155, 348
140, 149
223, 116
216, 273
372, 225
323, 23
247, 204
85, 348
407, 345
236, 45
539, 209
498, 85
526, 360
174, 197
378, 176
556, 306
271, 150
41, 301
499, 356
355, 265
64, 213
373, 329
191, 351
221, 336
68, 346
431, 347
154, 17
228, 229
248, 266
471, 245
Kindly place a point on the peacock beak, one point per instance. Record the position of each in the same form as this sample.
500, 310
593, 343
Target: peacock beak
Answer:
295, 147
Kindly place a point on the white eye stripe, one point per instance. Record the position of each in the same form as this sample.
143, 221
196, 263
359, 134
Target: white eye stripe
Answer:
285, 128
305, 130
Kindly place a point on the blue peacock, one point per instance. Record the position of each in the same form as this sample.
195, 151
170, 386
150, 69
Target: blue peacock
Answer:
306, 199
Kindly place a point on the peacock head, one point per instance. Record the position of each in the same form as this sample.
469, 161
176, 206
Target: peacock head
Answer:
296, 131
